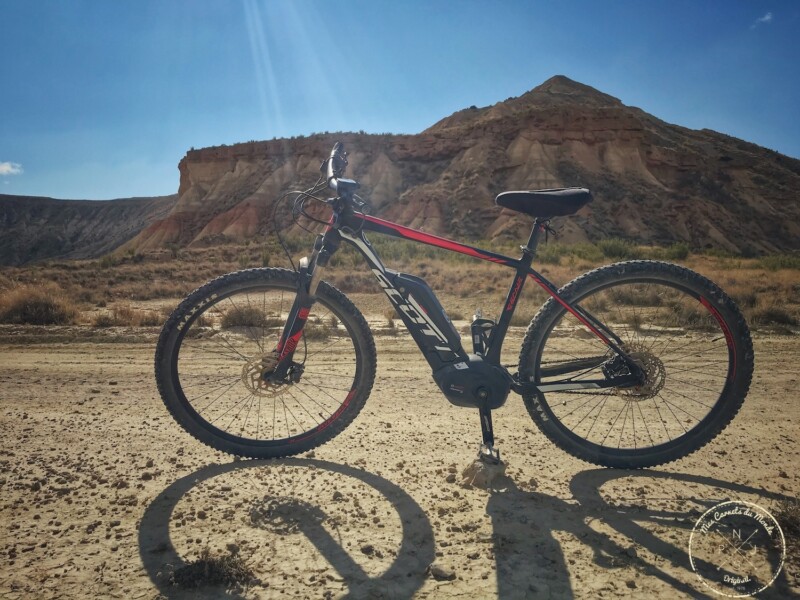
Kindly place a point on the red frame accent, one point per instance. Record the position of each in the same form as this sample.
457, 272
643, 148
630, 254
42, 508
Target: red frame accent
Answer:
287, 348
725, 330
571, 310
434, 240
324, 425
440, 242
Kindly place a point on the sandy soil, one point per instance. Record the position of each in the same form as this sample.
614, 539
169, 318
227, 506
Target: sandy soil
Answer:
103, 495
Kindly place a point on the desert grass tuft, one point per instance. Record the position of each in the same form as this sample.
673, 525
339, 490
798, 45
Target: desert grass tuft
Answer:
36, 305
126, 316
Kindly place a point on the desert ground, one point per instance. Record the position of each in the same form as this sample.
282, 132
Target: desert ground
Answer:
104, 495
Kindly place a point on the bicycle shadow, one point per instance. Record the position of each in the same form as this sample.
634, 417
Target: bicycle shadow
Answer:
530, 560
532, 563
402, 579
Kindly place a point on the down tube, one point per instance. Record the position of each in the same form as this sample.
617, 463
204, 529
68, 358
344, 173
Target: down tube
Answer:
418, 308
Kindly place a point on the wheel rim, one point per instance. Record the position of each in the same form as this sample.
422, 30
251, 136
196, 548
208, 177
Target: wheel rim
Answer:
227, 346
678, 339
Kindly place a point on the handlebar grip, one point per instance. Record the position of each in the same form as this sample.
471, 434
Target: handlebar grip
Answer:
337, 162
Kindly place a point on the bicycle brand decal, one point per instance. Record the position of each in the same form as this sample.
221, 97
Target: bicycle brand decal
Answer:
513, 300
737, 549
291, 344
415, 313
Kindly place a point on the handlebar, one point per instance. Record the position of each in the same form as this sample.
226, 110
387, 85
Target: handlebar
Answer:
336, 165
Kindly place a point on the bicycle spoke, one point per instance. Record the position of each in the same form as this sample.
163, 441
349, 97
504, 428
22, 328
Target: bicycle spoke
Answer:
200, 411
670, 334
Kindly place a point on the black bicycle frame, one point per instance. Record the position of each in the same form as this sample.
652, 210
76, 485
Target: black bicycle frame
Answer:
435, 344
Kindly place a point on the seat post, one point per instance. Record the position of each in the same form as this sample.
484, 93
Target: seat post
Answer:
539, 226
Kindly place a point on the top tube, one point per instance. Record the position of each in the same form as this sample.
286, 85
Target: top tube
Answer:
393, 229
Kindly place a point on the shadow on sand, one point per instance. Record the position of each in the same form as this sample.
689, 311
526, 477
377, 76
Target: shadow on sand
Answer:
530, 561
403, 578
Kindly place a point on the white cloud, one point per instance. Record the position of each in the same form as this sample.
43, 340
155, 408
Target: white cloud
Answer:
10, 168
767, 18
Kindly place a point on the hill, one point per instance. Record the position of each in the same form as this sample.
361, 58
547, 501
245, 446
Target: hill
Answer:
36, 228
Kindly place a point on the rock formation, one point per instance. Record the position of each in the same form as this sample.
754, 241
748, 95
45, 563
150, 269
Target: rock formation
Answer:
653, 182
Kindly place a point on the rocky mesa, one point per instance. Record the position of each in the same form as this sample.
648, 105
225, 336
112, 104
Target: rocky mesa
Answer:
653, 182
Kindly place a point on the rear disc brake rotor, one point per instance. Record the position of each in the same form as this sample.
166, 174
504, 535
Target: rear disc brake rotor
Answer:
654, 372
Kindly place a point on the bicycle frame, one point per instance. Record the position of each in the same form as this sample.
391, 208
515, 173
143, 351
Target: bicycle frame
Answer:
435, 344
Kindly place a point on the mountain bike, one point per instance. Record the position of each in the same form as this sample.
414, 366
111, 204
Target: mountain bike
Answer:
630, 365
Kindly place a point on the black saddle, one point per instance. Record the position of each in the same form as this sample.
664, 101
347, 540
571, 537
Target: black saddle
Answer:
546, 203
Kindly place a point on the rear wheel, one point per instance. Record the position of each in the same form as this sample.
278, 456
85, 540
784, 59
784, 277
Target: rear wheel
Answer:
217, 348
686, 335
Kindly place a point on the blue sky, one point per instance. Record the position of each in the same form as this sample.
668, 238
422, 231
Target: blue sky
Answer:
101, 99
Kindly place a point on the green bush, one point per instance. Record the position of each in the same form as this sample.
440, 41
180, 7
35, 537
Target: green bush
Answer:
677, 251
586, 251
775, 262
550, 254
617, 249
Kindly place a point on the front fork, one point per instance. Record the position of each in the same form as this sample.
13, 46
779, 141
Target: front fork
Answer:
310, 274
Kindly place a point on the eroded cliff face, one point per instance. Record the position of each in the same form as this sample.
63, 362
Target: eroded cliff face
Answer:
653, 182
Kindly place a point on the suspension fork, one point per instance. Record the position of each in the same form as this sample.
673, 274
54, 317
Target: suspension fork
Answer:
310, 274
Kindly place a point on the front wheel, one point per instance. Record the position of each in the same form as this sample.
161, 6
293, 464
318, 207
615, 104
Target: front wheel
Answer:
688, 338
218, 348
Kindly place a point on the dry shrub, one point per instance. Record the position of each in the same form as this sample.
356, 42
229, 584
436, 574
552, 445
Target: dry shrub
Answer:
356, 282
209, 570
523, 317
36, 305
126, 316
787, 514
772, 315
247, 316
148, 290
391, 323
104, 320
316, 331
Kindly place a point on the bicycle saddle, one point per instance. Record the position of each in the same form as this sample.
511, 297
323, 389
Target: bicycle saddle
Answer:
546, 203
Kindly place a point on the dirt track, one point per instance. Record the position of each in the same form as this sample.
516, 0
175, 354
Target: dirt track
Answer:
103, 494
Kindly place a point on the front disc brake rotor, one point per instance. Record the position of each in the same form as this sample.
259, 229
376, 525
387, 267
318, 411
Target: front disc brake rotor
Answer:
254, 374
